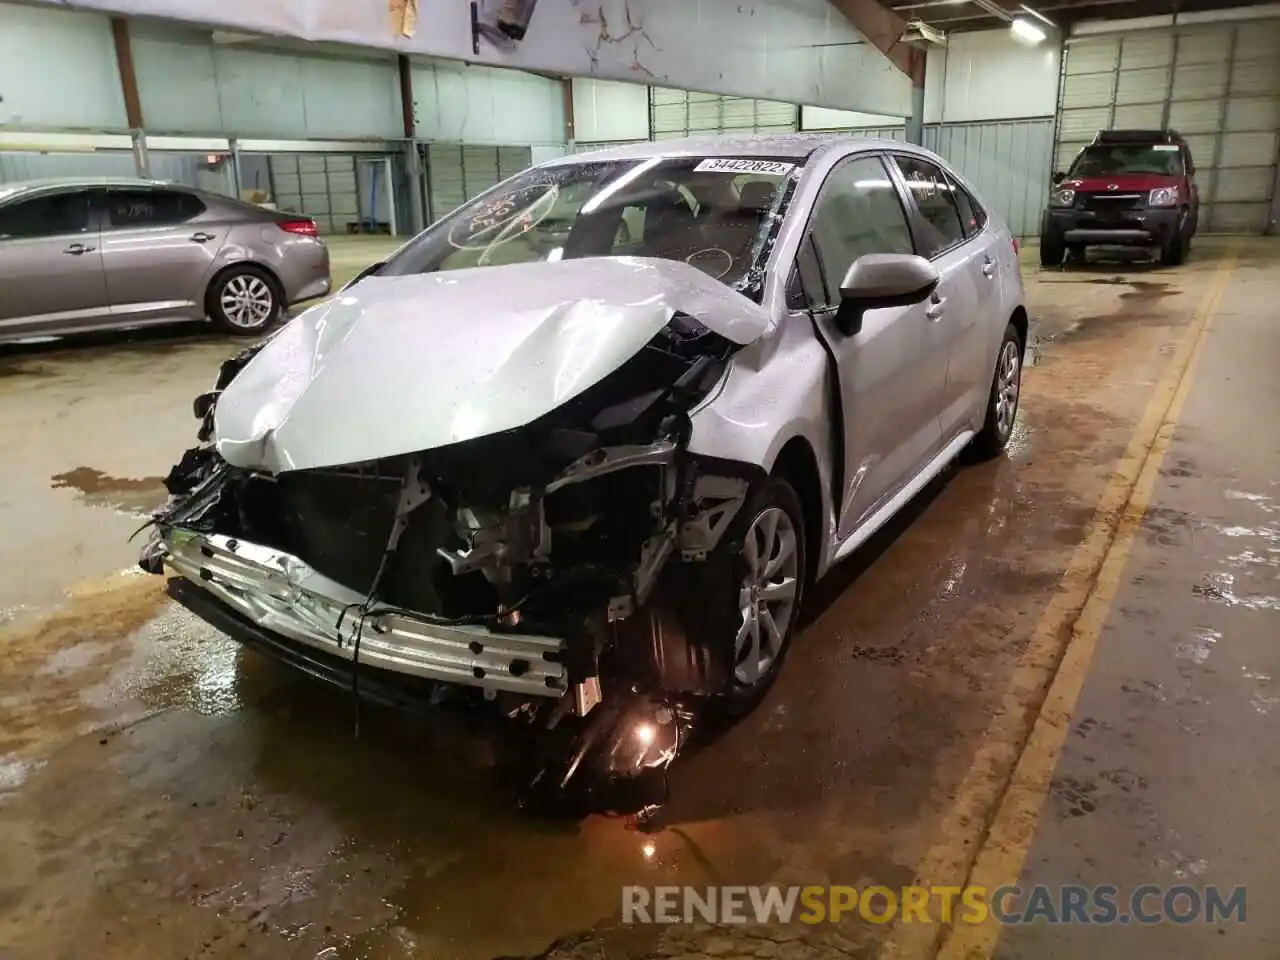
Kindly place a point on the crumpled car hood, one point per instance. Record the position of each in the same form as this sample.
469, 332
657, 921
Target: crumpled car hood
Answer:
401, 364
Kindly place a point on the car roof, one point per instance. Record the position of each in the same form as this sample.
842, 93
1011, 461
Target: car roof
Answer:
778, 146
15, 187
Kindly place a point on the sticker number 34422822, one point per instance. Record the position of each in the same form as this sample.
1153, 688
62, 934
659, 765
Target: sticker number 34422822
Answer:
766, 167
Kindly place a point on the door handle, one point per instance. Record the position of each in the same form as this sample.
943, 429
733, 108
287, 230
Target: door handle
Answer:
202, 237
76, 249
988, 268
937, 306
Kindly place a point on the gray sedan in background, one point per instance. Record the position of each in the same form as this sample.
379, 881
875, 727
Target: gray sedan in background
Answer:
95, 254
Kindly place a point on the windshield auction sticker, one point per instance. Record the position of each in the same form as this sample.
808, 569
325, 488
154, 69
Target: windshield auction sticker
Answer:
766, 167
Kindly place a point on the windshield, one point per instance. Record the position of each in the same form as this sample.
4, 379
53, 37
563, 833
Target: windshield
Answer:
1111, 160
715, 213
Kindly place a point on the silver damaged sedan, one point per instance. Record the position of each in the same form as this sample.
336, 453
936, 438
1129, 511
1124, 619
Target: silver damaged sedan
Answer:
82, 255
576, 452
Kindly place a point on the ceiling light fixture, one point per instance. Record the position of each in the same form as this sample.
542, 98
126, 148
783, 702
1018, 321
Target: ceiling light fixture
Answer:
1037, 14
922, 34
1026, 32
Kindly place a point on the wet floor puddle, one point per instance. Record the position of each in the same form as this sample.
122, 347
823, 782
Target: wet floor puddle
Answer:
135, 496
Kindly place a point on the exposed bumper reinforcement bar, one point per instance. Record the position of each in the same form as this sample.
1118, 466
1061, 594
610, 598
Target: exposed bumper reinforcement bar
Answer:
281, 594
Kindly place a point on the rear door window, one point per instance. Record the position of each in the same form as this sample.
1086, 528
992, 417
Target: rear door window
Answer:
51, 215
150, 208
972, 217
933, 196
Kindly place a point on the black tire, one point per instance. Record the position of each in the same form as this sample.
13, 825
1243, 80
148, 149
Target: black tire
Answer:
1174, 253
244, 301
1076, 252
996, 430
728, 580
1052, 251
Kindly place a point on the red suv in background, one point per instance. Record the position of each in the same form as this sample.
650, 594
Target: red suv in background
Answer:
1131, 188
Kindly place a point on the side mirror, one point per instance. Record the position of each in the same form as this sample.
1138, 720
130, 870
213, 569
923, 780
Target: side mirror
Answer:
1058, 177
879, 280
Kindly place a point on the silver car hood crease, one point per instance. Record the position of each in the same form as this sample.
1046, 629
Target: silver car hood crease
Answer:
401, 364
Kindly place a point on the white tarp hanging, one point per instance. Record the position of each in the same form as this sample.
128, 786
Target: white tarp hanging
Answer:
803, 51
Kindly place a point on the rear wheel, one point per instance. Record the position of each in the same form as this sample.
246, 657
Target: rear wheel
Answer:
244, 301
1002, 402
1052, 251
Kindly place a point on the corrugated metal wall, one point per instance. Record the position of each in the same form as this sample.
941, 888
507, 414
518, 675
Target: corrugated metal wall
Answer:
1009, 164
182, 168
485, 105
191, 85
607, 112
683, 113
1218, 85
33, 166
322, 186
589, 147
58, 70
457, 172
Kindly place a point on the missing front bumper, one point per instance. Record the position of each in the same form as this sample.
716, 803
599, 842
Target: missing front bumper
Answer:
280, 594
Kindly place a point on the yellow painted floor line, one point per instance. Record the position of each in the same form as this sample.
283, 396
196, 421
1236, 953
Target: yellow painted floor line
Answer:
1012, 770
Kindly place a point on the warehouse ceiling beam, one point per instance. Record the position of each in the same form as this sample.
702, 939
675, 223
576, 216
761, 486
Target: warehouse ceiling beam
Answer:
884, 29
128, 76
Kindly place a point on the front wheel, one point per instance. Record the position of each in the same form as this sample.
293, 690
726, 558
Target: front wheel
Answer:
1052, 251
761, 572
1002, 403
1174, 253
244, 301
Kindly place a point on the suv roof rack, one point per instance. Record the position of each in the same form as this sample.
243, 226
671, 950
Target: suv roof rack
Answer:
1138, 136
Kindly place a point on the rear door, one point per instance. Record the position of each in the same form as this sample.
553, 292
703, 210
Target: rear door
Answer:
157, 251
955, 313
51, 276
970, 369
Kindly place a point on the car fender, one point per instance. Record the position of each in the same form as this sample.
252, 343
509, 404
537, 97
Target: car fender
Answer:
773, 392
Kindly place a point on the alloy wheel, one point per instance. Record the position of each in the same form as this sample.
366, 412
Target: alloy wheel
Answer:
1008, 385
247, 301
767, 596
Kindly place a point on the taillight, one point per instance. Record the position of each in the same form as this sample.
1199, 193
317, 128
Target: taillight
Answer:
306, 228
1015, 246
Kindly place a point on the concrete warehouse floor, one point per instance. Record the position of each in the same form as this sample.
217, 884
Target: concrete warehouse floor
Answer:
165, 795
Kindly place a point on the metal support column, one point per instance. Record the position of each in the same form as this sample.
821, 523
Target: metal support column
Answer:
417, 208
915, 122
388, 175
570, 122
141, 163
1167, 106
237, 178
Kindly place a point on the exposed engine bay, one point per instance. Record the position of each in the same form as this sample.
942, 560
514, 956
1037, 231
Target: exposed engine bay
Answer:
551, 568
